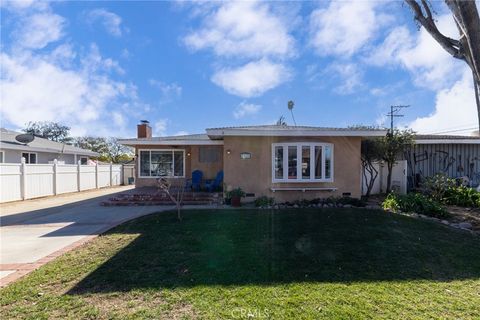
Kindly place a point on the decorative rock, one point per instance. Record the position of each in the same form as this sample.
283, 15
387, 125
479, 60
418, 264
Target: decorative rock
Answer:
295, 206
347, 205
445, 222
465, 225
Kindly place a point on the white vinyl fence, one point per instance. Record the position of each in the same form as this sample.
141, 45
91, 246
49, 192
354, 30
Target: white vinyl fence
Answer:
21, 181
399, 178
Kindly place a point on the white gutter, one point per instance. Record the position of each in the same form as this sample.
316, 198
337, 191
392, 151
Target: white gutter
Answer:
447, 141
171, 142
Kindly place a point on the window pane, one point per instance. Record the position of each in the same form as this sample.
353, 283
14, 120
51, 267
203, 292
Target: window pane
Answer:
33, 158
144, 163
318, 162
292, 162
162, 163
278, 162
178, 159
27, 159
328, 162
305, 162
1, 157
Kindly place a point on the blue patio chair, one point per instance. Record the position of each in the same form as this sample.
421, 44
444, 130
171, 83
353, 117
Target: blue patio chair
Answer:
197, 176
216, 183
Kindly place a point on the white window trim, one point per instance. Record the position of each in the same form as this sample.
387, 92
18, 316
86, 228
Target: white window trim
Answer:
173, 161
29, 153
299, 145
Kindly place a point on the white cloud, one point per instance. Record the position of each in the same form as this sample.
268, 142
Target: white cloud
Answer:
349, 75
39, 29
252, 79
243, 28
455, 108
246, 109
39, 88
345, 27
111, 21
160, 127
430, 65
168, 91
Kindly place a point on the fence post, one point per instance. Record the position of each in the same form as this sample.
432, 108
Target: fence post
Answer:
111, 174
96, 175
78, 175
23, 179
55, 177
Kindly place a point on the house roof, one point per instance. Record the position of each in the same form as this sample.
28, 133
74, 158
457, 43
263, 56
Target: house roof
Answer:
8, 141
445, 139
214, 136
284, 130
189, 139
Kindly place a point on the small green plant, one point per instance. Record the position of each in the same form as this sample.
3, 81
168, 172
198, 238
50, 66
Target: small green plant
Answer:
264, 201
235, 193
462, 196
415, 202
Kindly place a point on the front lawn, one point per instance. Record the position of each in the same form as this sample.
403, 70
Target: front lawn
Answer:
284, 264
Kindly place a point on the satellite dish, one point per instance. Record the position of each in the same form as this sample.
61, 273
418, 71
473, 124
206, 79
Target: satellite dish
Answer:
25, 138
290, 105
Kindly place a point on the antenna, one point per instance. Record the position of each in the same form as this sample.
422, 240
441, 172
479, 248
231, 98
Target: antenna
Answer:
394, 114
25, 138
291, 104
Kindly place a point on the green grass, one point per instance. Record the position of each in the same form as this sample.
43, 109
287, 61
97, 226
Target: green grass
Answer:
288, 264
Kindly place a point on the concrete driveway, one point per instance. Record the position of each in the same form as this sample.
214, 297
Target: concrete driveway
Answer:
34, 232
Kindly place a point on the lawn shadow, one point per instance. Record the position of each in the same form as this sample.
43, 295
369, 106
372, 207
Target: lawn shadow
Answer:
266, 247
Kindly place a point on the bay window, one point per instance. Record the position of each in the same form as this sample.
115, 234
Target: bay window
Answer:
162, 163
302, 162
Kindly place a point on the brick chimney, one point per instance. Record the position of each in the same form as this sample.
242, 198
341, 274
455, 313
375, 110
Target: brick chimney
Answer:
144, 130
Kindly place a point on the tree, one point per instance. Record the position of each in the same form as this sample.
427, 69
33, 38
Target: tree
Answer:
467, 47
109, 148
393, 145
372, 151
49, 130
174, 192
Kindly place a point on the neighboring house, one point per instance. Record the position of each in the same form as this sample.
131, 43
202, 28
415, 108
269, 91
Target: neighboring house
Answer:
455, 156
40, 150
287, 162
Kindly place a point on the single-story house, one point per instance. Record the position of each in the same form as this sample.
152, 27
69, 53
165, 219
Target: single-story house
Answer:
39, 150
286, 162
454, 156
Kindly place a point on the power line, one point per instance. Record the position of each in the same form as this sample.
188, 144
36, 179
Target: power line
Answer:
394, 110
458, 130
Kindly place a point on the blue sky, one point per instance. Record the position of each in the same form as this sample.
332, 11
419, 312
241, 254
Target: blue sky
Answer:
100, 67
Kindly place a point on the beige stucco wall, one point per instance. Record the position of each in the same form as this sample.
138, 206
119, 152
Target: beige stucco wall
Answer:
191, 163
255, 175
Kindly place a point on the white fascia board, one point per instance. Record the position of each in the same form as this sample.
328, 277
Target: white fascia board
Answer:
448, 141
134, 143
28, 148
295, 133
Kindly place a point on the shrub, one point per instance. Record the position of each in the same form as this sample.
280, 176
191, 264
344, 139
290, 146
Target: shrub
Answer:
237, 192
437, 185
415, 202
462, 196
264, 201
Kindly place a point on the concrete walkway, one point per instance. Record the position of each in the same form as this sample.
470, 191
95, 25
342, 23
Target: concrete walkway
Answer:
34, 232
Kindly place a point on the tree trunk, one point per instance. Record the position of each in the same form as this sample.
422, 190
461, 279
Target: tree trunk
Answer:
389, 177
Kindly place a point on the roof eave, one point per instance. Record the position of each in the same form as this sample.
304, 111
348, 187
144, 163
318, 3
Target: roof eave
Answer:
145, 142
219, 133
447, 141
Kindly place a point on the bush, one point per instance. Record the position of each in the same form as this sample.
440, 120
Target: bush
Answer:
237, 192
437, 185
415, 202
264, 201
462, 196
